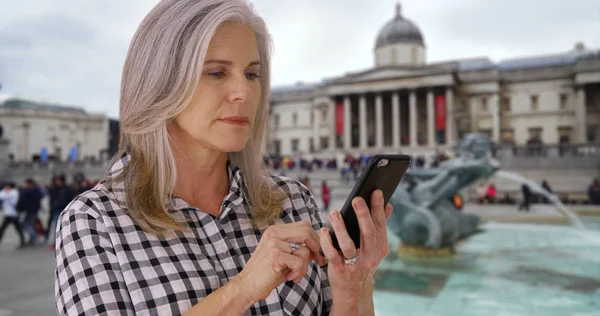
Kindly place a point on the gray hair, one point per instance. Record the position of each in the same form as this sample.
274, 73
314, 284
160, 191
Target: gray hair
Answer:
160, 75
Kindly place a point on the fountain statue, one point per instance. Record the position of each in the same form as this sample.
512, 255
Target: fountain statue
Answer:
424, 214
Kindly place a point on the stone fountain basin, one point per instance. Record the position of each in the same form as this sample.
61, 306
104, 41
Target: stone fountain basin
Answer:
510, 269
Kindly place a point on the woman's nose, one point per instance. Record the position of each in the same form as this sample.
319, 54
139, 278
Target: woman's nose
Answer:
240, 90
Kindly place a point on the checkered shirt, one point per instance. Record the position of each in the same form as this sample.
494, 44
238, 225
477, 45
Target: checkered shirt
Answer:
106, 265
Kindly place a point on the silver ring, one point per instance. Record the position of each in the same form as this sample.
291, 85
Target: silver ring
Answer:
295, 246
351, 260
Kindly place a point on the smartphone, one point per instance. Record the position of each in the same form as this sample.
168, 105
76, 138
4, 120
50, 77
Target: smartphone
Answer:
383, 172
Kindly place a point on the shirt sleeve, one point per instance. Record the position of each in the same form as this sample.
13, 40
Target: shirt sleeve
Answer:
88, 277
317, 223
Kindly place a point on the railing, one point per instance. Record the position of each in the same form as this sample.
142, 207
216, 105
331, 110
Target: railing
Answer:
537, 156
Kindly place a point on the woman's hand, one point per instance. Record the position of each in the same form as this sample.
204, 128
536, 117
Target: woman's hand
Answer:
352, 282
274, 261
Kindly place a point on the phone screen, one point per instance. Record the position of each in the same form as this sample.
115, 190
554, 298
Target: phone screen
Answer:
383, 172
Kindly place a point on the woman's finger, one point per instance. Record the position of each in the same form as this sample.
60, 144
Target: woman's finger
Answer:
344, 241
290, 266
298, 232
378, 209
368, 231
304, 254
388, 211
328, 249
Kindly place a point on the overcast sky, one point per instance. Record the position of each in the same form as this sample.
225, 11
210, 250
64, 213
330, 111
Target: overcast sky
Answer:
72, 51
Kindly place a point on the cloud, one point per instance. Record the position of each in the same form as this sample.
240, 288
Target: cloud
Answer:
72, 51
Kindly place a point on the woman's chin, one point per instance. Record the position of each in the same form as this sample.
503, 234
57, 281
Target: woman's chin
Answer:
233, 145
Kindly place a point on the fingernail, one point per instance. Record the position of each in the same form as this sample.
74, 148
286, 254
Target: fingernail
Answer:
379, 194
335, 215
357, 201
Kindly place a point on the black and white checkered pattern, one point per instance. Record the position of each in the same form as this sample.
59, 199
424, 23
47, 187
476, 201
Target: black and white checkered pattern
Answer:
106, 265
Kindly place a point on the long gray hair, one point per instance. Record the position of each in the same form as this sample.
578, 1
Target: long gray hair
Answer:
160, 75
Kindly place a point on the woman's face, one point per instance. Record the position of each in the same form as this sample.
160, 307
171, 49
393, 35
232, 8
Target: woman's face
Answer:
222, 112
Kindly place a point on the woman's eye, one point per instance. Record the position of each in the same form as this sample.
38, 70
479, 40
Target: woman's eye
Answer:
252, 76
217, 75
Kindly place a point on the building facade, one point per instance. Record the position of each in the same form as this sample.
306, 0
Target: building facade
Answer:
404, 103
62, 132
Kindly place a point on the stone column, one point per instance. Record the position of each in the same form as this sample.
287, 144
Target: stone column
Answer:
412, 103
450, 121
473, 113
580, 116
347, 124
430, 119
495, 107
395, 120
316, 123
362, 111
379, 120
332, 123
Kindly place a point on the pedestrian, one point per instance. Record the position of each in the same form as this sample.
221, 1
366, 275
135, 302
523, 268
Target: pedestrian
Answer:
594, 192
31, 196
10, 197
546, 186
325, 195
481, 191
60, 196
491, 194
527, 196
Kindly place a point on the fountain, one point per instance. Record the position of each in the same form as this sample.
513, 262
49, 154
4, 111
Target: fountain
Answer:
424, 215
511, 269
573, 219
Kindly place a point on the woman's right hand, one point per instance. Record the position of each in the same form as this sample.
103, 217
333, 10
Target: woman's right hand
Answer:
274, 262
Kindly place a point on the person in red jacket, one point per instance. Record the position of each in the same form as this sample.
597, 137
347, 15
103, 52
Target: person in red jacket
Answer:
325, 195
491, 194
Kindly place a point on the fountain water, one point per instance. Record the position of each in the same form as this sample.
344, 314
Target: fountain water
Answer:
538, 189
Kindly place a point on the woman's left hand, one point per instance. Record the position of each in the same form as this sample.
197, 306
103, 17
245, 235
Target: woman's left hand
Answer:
354, 282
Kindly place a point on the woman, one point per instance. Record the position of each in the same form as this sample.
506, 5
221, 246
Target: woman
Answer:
187, 220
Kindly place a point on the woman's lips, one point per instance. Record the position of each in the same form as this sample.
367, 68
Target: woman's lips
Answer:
235, 120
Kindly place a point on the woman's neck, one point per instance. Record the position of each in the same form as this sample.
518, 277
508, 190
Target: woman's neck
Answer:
202, 178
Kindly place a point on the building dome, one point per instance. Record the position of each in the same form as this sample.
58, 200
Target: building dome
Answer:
399, 30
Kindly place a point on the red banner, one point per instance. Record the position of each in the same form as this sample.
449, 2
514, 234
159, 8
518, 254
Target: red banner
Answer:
440, 112
339, 119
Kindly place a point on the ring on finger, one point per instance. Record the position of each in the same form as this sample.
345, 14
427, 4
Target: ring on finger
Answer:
351, 260
295, 246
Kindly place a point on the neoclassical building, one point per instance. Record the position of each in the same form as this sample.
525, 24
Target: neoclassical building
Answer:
405, 103
62, 132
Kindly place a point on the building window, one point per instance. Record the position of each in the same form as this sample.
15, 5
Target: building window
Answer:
276, 120
564, 134
295, 145
534, 102
311, 145
277, 147
564, 101
484, 104
414, 56
506, 104
535, 133
507, 136
324, 115
324, 142
312, 118
592, 133
294, 118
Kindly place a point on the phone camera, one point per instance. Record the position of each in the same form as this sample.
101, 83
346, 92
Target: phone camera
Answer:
382, 163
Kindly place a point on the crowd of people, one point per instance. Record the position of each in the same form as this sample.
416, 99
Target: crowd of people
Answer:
486, 193
22, 206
